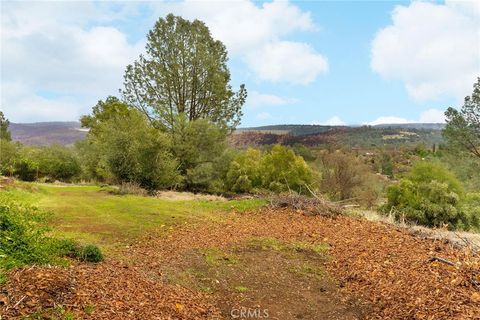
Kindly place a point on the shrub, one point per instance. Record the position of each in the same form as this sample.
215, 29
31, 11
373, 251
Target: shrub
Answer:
244, 173
91, 253
26, 169
58, 163
9, 152
278, 170
346, 177
429, 195
22, 235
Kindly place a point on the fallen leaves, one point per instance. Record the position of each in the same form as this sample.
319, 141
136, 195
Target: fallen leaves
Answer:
388, 269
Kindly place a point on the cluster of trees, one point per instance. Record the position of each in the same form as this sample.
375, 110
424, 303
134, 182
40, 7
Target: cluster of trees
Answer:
169, 130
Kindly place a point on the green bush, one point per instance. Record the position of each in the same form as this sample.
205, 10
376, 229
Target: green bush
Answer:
22, 235
26, 169
91, 253
277, 170
9, 152
24, 239
58, 163
430, 195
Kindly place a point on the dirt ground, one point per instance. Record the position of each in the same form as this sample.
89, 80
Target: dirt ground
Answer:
274, 264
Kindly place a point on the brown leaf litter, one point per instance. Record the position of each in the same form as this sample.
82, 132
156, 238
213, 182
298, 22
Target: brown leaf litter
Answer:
388, 269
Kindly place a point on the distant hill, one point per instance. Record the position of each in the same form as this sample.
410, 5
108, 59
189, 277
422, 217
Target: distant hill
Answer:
419, 126
66, 133
46, 133
366, 136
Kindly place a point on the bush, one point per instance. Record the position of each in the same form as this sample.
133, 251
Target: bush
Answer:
22, 235
91, 253
9, 152
58, 163
429, 195
278, 170
26, 169
346, 177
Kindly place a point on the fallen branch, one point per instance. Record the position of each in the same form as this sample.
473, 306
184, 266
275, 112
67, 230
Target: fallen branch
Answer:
442, 260
18, 302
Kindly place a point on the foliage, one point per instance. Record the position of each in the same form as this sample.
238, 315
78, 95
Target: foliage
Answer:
91, 253
58, 163
22, 233
463, 127
127, 148
345, 177
184, 72
26, 168
196, 142
303, 151
4, 124
24, 236
277, 170
244, 173
9, 152
430, 195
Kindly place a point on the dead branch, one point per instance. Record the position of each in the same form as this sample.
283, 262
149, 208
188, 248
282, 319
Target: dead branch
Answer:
442, 260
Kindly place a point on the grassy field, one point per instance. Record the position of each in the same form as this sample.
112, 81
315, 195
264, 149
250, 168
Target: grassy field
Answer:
91, 214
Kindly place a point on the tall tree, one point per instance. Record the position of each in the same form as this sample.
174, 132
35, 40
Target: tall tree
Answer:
184, 71
463, 127
4, 124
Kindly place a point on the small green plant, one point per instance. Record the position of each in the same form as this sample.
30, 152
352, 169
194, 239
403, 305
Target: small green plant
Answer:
88, 309
91, 253
241, 289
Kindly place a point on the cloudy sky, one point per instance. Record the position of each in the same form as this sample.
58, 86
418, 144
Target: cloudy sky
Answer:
322, 62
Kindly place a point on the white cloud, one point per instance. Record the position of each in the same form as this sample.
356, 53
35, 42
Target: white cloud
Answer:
388, 120
50, 48
427, 116
257, 99
433, 48
254, 33
333, 121
263, 116
294, 62
432, 116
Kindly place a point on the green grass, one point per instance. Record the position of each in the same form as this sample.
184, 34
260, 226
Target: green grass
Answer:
91, 215
266, 243
241, 289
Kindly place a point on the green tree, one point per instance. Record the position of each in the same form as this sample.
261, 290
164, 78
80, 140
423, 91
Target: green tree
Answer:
4, 124
129, 148
58, 163
184, 71
463, 127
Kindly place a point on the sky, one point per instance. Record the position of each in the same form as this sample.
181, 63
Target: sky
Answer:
303, 62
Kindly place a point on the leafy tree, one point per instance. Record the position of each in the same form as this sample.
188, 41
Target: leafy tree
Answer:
26, 168
129, 148
183, 72
4, 124
104, 111
463, 127
196, 142
58, 163
8, 155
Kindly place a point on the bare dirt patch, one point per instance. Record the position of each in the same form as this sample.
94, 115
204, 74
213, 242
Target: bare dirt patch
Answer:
265, 278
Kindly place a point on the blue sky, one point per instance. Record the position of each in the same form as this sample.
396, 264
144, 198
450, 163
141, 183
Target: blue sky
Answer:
323, 62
